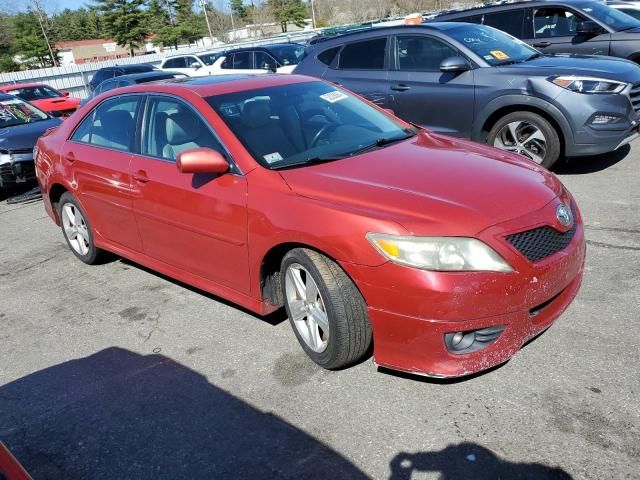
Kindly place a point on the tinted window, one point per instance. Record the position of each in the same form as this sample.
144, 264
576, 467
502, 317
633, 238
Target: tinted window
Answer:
264, 60
111, 124
328, 56
172, 128
288, 54
228, 61
496, 47
422, 53
177, 62
555, 22
367, 55
242, 60
209, 58
510, 21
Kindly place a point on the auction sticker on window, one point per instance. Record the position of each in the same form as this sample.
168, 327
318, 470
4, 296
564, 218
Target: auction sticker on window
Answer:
273, 157
333, 97
499, 54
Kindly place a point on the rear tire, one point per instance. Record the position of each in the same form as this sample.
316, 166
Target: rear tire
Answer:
528, 134
326, 310
77, 230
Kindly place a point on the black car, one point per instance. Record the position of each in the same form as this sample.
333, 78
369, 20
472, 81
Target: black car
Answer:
476, 82
572, 26
21, 124
132, 79
116, 71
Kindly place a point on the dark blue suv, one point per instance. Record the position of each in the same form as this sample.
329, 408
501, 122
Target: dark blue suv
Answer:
476, 82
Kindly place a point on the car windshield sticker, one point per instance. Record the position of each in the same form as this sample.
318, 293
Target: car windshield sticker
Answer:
499, 54
273, 157
488, 57
333, 97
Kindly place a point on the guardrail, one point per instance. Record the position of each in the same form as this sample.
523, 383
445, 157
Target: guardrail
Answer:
74, 78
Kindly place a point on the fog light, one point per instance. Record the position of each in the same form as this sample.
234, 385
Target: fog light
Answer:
602, 119
472, 341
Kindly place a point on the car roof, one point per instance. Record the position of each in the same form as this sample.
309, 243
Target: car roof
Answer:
217, 84
151, 74
263, 47
510, 5
437, 26
23, 85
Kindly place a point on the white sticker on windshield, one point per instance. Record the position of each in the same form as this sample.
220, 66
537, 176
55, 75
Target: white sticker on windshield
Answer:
273, 157
333, 97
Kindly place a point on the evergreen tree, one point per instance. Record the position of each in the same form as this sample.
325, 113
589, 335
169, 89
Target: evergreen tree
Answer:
29, 41
288, 11
125, 21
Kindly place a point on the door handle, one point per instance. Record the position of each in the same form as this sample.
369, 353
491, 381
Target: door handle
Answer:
542, 44
141, 176
70, 157
401, 87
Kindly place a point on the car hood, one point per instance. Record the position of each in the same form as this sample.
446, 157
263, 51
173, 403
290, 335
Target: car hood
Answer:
48, 104
588, 65
431, 185
22, 137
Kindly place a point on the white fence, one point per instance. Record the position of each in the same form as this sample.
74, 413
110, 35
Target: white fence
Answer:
74, 78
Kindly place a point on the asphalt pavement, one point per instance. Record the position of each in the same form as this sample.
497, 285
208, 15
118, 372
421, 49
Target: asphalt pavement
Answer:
115, 372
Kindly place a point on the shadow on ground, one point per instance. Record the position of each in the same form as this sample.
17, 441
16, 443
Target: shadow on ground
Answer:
596, 163
118, 414
470, 461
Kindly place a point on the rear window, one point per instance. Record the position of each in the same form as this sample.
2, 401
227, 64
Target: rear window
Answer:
367, 55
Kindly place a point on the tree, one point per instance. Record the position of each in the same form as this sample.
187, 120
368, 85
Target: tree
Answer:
125, 21
239, 10
29, 41
288, 11
7, 38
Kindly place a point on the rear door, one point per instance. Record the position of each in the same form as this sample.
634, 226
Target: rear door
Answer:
362, 67
99, 153
195, 222
421, 93
554, 31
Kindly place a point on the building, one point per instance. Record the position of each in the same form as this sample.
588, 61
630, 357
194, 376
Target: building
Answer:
96, 50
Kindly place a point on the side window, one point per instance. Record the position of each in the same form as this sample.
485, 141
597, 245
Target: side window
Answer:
242, 60
555, 22
264, 60
367, 55
228, 62
422, 53
172, 127
510, 21
471, 19
191, 60
328, 56
177, 62
112, 124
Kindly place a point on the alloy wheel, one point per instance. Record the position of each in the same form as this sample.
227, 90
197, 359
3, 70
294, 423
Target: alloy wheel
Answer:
307, 308
75, 229
524, 138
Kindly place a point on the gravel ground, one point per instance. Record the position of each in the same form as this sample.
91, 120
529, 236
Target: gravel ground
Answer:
116, 372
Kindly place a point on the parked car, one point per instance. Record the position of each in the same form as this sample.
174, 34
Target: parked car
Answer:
476, 82
279, 57
52, 101
21, 124
630, 8
110, 72
571, 26
191, 65
280, 190
133, 79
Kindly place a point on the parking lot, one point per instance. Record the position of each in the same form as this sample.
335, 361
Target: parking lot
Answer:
116, 372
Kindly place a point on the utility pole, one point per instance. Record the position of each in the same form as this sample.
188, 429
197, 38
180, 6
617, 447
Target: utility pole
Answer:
203, 3
37, 8
313, 15
233, 28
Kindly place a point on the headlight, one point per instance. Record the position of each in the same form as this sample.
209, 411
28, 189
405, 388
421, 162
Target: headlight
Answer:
451, 254
589, 84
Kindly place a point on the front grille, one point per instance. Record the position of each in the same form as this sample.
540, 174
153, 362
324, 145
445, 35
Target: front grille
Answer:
634, 96
541, 242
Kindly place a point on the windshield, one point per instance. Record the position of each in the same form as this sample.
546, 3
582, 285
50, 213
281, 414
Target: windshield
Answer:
209, 58
496, 47
35, 93
16, 112
610, 16
305, 123
287, 54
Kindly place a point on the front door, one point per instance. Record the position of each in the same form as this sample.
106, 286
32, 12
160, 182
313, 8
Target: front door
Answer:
422, 94
99, 152
195, 222
554, 31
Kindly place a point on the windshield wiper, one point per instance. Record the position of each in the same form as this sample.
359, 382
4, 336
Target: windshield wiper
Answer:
308, 161
381, 142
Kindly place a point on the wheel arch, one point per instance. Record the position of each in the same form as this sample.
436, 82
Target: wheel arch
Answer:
55, 192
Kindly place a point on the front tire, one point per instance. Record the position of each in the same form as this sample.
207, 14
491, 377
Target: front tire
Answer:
528, 134
326, 310
77, 230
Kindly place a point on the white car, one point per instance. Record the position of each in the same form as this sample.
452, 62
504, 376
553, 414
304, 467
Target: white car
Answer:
194, 65
277, 58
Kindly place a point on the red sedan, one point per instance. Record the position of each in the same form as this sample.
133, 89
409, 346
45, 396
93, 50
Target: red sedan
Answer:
44, 97
277, 191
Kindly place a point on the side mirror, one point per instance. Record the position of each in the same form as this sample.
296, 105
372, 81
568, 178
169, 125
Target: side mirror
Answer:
201, 160
588, 27
65, 94
195, 65
454, 65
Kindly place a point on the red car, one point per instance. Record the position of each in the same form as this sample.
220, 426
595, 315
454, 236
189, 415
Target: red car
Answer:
271, 191
58, 104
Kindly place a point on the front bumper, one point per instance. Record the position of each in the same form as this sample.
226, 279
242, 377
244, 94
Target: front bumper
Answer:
17, 172
411, 310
